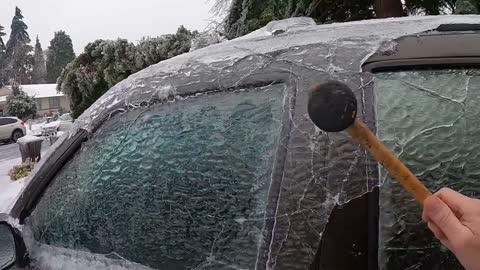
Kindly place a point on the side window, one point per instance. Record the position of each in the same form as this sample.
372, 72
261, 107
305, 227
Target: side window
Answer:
180, 185
7, 121
431, 120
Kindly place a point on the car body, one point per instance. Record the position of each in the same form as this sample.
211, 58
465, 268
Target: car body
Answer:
11, 129
53, 125
210, 161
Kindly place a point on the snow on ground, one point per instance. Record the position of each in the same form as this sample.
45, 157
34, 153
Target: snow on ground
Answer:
9, 190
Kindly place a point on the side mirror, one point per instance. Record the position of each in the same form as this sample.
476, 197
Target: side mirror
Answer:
8, 251
13, 252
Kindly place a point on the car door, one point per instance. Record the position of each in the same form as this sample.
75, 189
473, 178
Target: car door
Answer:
427, 113
6, 128
173, 186
2, 128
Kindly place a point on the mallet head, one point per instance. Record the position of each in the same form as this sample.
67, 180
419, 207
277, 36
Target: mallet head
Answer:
332, 106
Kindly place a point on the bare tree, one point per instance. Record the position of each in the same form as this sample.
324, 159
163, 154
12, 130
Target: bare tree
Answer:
389, 8
220, 7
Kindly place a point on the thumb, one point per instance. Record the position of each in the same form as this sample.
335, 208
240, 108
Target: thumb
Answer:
437, 212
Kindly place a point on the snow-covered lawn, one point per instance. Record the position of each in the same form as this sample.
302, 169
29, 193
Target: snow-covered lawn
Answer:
9, 190
36, 129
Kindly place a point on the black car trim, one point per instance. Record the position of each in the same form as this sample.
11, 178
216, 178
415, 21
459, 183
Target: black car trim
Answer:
422, 63
278, 174
21, 256
41, 180
435, 49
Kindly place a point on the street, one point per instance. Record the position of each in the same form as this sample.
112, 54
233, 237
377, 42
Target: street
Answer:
10, 151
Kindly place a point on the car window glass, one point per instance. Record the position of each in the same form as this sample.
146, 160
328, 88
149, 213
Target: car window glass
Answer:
66, 117
431, 120
181, 185
7, 121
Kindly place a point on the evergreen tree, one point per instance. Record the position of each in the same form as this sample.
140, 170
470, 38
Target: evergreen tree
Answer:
248, 15
19, 104
2, 44
466, 7
3, 76
60, 53
245, 16
19, 36
18, 61
39, 72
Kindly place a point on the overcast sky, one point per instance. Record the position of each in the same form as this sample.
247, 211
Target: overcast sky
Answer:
87, 20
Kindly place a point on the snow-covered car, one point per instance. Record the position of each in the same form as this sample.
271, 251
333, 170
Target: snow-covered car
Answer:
11, 129
61, 124
209, 160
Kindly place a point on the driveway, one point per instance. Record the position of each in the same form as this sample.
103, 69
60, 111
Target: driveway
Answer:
10, 151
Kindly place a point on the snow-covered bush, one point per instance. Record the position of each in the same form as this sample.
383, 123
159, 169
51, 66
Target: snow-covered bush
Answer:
104, 63
19, 104
21, 171
206, 39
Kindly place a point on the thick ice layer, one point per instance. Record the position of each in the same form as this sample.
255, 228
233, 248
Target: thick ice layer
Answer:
316, 171
223, 65
431, 121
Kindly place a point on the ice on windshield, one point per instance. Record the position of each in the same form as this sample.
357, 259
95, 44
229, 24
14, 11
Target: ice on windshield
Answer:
182, 185
431, 120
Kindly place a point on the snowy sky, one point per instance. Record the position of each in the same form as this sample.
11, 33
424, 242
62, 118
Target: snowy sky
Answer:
87, 20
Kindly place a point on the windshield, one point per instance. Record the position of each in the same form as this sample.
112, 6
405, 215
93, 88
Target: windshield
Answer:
179, 185
66, 117
430, 119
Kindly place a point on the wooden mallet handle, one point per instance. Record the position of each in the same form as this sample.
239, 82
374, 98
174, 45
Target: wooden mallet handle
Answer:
332, 107
362, 135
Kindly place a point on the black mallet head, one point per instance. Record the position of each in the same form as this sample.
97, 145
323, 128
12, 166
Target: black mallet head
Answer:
332, 106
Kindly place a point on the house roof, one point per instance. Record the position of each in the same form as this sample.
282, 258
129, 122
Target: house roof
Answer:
34, 90
41, 90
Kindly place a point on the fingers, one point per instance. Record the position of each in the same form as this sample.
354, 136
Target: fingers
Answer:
436, 231
437, 212
457, 202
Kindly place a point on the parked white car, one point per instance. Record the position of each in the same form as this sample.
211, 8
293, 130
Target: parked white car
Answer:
11, 128
63, 123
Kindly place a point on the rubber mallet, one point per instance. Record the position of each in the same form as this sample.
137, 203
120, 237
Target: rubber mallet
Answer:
332, 106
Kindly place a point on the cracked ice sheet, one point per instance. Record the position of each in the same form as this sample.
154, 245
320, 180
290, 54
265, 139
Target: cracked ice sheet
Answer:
209, 68
431, 121
143, 186
319, 170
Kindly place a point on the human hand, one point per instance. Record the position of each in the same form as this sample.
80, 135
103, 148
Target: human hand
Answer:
454, 219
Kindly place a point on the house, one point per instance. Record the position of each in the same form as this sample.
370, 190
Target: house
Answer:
46, 96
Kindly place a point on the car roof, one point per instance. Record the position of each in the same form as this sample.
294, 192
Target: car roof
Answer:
289, 41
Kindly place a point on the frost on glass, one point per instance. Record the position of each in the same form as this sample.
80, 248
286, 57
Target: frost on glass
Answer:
181, 185
431, 120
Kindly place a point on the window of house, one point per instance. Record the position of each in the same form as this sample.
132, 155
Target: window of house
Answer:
53, 102
431, 120
39, 104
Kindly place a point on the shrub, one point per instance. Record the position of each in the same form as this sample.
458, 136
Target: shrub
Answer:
21, 171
